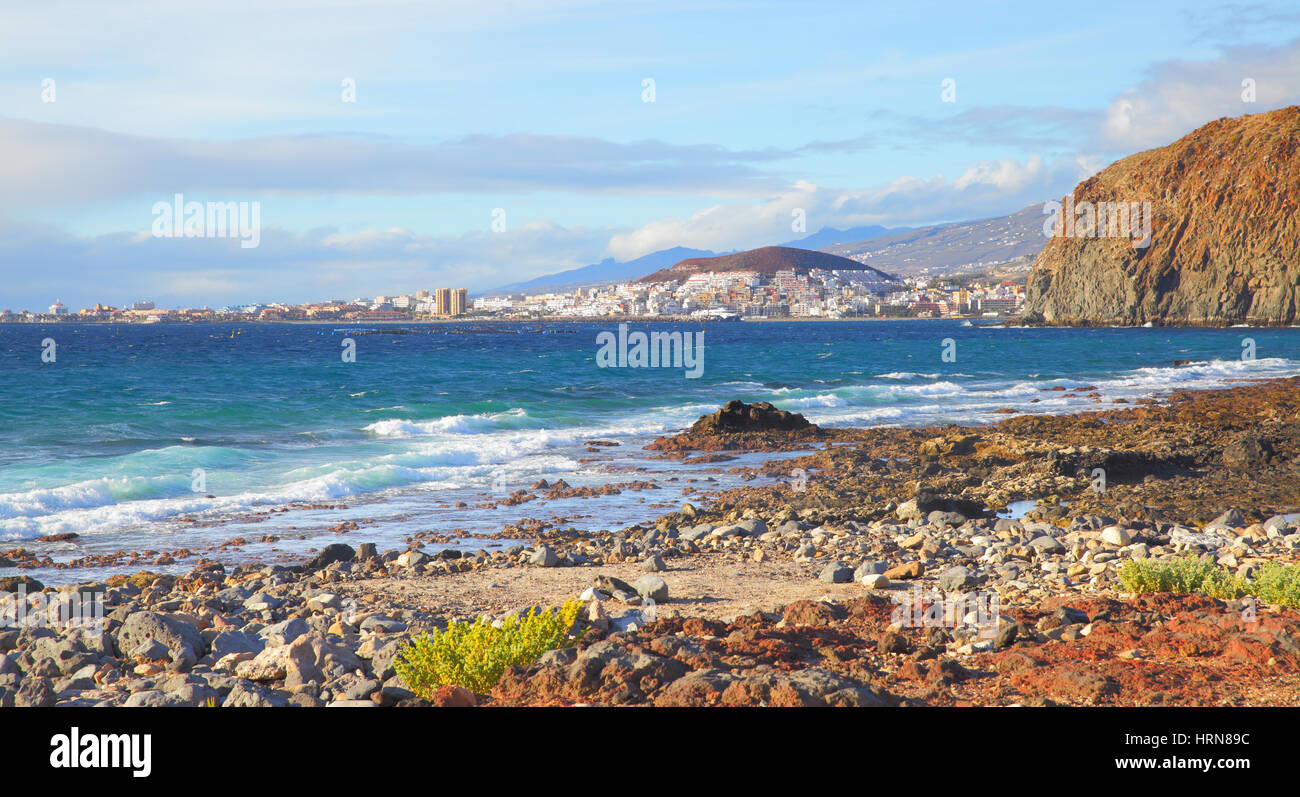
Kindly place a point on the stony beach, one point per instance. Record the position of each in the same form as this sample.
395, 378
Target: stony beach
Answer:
782, 594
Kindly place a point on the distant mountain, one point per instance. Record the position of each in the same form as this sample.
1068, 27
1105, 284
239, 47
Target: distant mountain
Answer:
829, 236
903, 251
766, 260
606, 271
1218, 241
950, 248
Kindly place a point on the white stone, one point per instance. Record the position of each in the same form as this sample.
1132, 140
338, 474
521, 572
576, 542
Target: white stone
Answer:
1117, 536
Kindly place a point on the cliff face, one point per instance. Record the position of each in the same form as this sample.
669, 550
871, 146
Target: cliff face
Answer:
1225, 235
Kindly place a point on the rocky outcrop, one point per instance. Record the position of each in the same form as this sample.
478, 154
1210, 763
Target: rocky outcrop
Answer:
1225, 235
740, 426
737, 416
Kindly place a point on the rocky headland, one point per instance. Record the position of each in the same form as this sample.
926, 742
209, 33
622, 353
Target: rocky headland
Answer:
1225, 234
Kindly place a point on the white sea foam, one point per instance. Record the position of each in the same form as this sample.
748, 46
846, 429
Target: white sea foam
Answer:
907, 375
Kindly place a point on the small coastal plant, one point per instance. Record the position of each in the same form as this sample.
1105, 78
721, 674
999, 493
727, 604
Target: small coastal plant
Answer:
476, 654
1278, 583
1274, 582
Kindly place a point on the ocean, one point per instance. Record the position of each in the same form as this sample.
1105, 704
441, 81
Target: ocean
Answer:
171, 436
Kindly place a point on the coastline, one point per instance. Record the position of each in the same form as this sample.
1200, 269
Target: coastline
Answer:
1004, 321
906, 510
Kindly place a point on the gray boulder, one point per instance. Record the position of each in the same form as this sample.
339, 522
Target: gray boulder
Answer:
652, 587
179, 636
284, 633
227, 642
957, 578
836, 573
544, 557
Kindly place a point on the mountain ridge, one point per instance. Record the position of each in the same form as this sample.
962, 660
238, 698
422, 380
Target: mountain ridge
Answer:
764, 260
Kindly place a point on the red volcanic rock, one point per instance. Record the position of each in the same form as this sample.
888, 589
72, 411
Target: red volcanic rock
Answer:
812, 613
454, 697
58, 537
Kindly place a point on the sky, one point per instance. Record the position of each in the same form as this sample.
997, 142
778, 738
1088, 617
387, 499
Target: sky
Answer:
392, 146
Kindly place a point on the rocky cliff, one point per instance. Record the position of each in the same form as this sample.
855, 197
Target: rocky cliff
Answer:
1224, 233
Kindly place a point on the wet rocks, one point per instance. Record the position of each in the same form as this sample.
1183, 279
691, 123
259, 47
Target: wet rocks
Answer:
17, 583
737, 416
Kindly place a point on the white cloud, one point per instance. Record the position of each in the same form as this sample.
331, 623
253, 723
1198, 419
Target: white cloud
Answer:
287, 266
1180, 96
985, 189
62, 164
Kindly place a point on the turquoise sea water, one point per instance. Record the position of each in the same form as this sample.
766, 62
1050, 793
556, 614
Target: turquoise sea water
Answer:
105, 441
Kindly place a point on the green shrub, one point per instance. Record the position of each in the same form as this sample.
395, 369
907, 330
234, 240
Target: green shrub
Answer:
1274, 583
475, 654
1278, 583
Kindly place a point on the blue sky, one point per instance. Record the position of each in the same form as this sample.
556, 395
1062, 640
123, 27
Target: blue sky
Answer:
538, 109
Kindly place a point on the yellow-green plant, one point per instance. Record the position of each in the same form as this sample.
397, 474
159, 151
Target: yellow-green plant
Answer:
1187, 576
1274, 582
475, 654
1277, 583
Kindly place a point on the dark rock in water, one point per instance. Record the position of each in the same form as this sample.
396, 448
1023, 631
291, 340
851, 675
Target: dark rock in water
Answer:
338, 552
738, 425
737, 416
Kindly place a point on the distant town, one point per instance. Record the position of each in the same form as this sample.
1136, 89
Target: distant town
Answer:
817, 293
